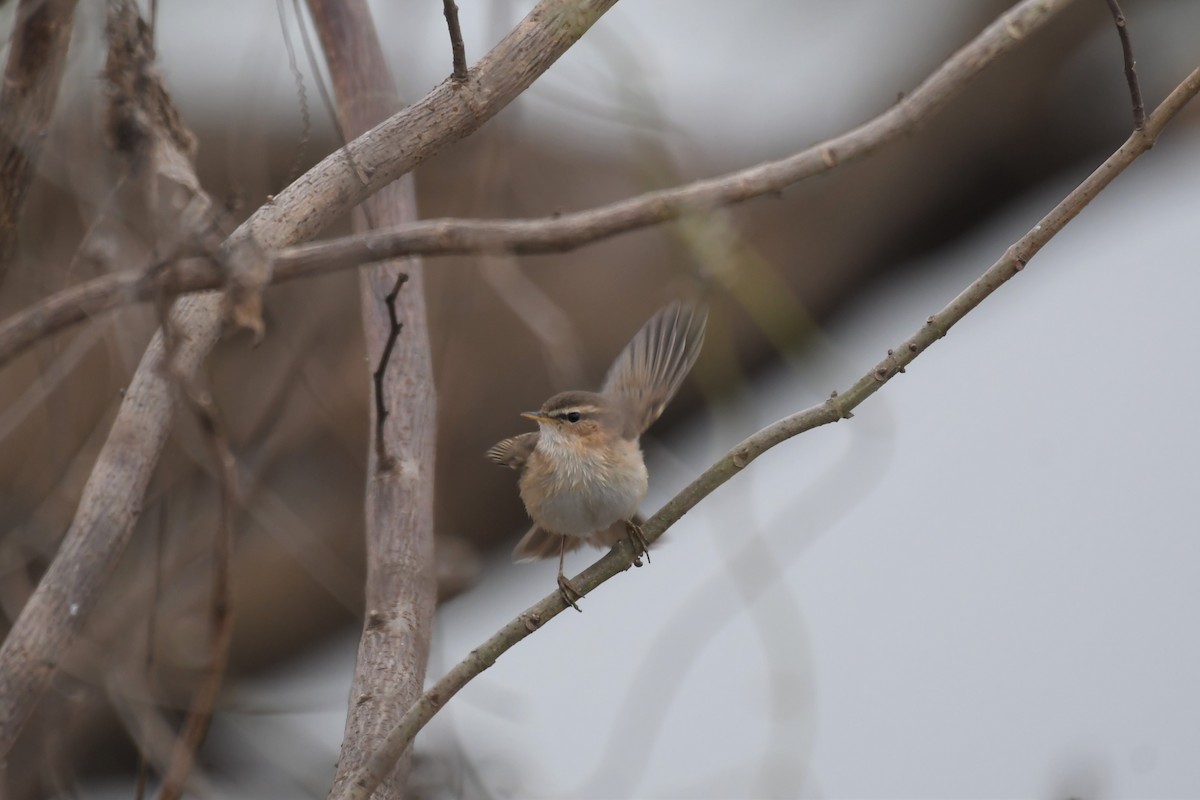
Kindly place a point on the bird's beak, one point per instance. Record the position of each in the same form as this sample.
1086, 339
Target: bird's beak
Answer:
536, 416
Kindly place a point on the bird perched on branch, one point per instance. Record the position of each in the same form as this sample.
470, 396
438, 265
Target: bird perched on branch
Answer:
582, 473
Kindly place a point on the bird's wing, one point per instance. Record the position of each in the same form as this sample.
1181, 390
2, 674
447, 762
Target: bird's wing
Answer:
652, 366
513, 452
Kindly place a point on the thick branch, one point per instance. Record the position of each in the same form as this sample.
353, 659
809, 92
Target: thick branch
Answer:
111, 500
40, 39
401, 592
554, 234
839, 406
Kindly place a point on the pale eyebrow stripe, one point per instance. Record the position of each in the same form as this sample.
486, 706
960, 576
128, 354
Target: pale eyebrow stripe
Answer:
580, 409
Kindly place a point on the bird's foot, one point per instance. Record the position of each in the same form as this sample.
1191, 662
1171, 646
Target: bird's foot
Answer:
569, 593
640, 546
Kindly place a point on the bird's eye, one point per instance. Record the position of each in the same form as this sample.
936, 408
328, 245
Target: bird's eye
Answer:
572, 416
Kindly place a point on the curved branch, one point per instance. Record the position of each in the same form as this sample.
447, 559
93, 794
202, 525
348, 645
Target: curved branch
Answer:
551, 234
837, 407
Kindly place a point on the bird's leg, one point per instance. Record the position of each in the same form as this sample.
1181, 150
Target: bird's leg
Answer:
565, 588
640, 546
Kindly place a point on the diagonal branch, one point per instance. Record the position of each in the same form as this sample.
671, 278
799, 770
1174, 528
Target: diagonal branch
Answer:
838, 407
564, 232
111, 500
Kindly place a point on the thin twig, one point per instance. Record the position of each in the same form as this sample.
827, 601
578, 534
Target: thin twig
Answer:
301, 90
157, 543
149, 727
200, 711
385, 459
459, 75
1135, 90
327, 101
40, 37
837, 407
553, 234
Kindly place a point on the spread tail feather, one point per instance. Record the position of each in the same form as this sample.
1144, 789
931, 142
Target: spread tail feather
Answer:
540, 543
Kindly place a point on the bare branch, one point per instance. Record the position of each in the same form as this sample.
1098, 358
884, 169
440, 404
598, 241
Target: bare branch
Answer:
1135, 90
40, 37
111, 499
560, 233
456, 41
837, 407
401, 590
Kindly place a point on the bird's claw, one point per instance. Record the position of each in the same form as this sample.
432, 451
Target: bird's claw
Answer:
640, 546
569, 593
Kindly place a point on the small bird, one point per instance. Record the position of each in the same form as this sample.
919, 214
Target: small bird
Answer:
582, 473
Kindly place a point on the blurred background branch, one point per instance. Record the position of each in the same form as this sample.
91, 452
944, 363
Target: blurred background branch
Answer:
37, 57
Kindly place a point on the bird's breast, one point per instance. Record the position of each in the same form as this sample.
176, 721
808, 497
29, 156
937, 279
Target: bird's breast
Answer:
577, 491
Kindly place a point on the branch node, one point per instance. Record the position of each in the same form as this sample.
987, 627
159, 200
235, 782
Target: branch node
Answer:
937, 327
838, 408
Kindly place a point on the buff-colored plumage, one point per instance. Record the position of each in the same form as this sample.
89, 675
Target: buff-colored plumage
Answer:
582, 473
